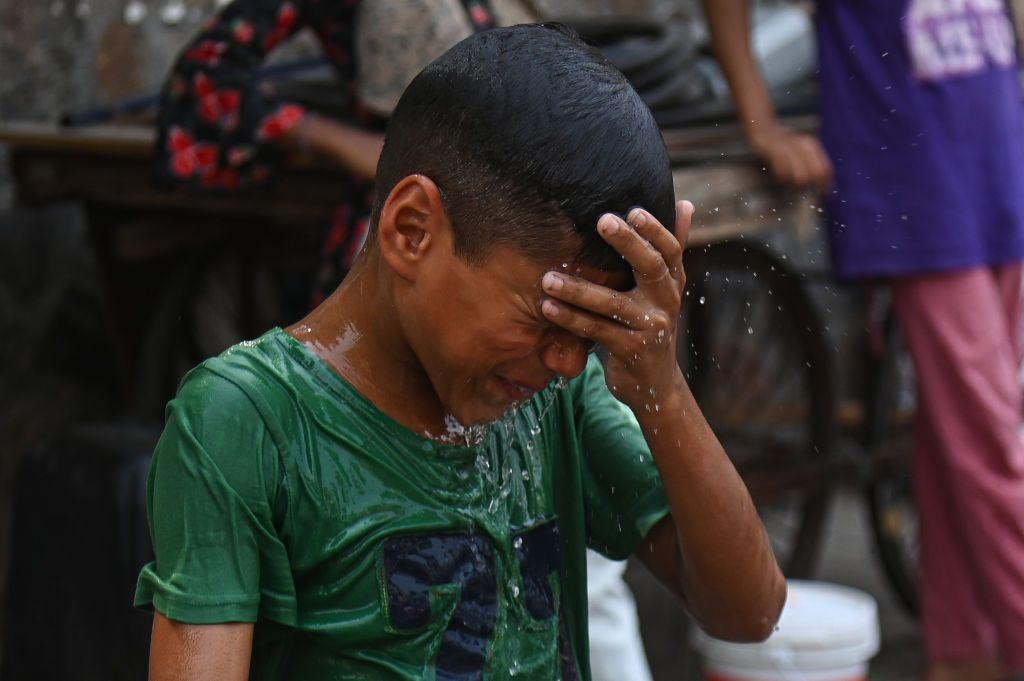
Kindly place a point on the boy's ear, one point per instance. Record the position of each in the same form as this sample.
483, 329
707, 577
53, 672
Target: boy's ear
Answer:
413, 224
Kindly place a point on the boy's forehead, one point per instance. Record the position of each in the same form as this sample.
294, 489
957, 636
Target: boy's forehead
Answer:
615, 279
520, 271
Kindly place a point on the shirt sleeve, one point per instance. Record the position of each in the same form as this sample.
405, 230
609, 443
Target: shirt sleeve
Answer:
622, 488
218, 124
215, 500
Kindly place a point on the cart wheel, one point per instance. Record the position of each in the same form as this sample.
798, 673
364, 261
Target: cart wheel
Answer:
890, 403
755, 356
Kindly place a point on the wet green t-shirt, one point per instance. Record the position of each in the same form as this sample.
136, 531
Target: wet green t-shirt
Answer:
279, 495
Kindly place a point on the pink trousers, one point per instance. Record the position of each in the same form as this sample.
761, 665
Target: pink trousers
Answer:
963, 331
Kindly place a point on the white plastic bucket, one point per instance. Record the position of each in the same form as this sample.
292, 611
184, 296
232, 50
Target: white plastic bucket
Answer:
826, 633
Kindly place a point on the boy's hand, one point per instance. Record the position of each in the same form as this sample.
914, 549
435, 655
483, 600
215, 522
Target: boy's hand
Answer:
714, 551
638, 327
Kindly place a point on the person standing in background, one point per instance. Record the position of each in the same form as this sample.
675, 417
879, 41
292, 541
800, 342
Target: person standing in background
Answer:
922, 128
221, 130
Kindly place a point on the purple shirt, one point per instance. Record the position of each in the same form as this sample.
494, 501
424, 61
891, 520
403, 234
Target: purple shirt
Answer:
923, 119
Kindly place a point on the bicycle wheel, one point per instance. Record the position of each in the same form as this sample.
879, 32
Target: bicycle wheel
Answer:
890, 403
755, 356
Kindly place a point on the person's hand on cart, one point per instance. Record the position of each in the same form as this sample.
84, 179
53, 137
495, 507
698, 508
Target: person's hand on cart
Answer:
795, 158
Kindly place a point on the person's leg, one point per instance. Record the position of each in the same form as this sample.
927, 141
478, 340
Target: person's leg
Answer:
1010, 282
972, 485
955, 626
960, 640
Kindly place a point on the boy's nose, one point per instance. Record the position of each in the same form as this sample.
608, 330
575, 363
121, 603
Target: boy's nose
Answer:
566, 357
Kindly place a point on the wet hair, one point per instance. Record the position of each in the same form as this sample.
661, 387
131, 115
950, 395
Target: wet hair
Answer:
531, 135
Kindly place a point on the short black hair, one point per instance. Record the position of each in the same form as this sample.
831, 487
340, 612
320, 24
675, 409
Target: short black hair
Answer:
531, 135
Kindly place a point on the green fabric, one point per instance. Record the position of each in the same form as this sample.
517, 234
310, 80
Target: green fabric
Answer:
276, 488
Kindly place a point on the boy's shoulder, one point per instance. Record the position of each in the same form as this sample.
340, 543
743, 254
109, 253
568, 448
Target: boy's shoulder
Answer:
252, 361
249, 378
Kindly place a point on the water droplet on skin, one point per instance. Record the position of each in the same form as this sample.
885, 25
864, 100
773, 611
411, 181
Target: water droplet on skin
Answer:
701, 300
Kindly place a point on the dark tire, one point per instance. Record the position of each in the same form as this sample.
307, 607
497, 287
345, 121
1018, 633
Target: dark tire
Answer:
894, 523
755, 355
890, 403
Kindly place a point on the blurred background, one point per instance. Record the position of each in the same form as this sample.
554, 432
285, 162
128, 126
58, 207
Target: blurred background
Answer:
113, 283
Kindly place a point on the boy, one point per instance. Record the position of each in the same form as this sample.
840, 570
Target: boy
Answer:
397, 486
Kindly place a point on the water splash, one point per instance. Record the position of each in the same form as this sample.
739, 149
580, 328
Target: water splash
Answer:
512, 458
456, 433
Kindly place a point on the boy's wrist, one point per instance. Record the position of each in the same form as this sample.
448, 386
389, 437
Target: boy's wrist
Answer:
665, 403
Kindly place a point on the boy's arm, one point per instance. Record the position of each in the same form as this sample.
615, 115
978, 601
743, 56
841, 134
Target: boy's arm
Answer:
713, 551
219, 561
795, 158
199, 652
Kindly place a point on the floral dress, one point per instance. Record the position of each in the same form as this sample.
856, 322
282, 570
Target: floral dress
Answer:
219, 126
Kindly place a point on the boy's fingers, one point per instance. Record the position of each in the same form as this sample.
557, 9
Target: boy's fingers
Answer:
587, 295
648, 264
664, 241
582, 323
684, 221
